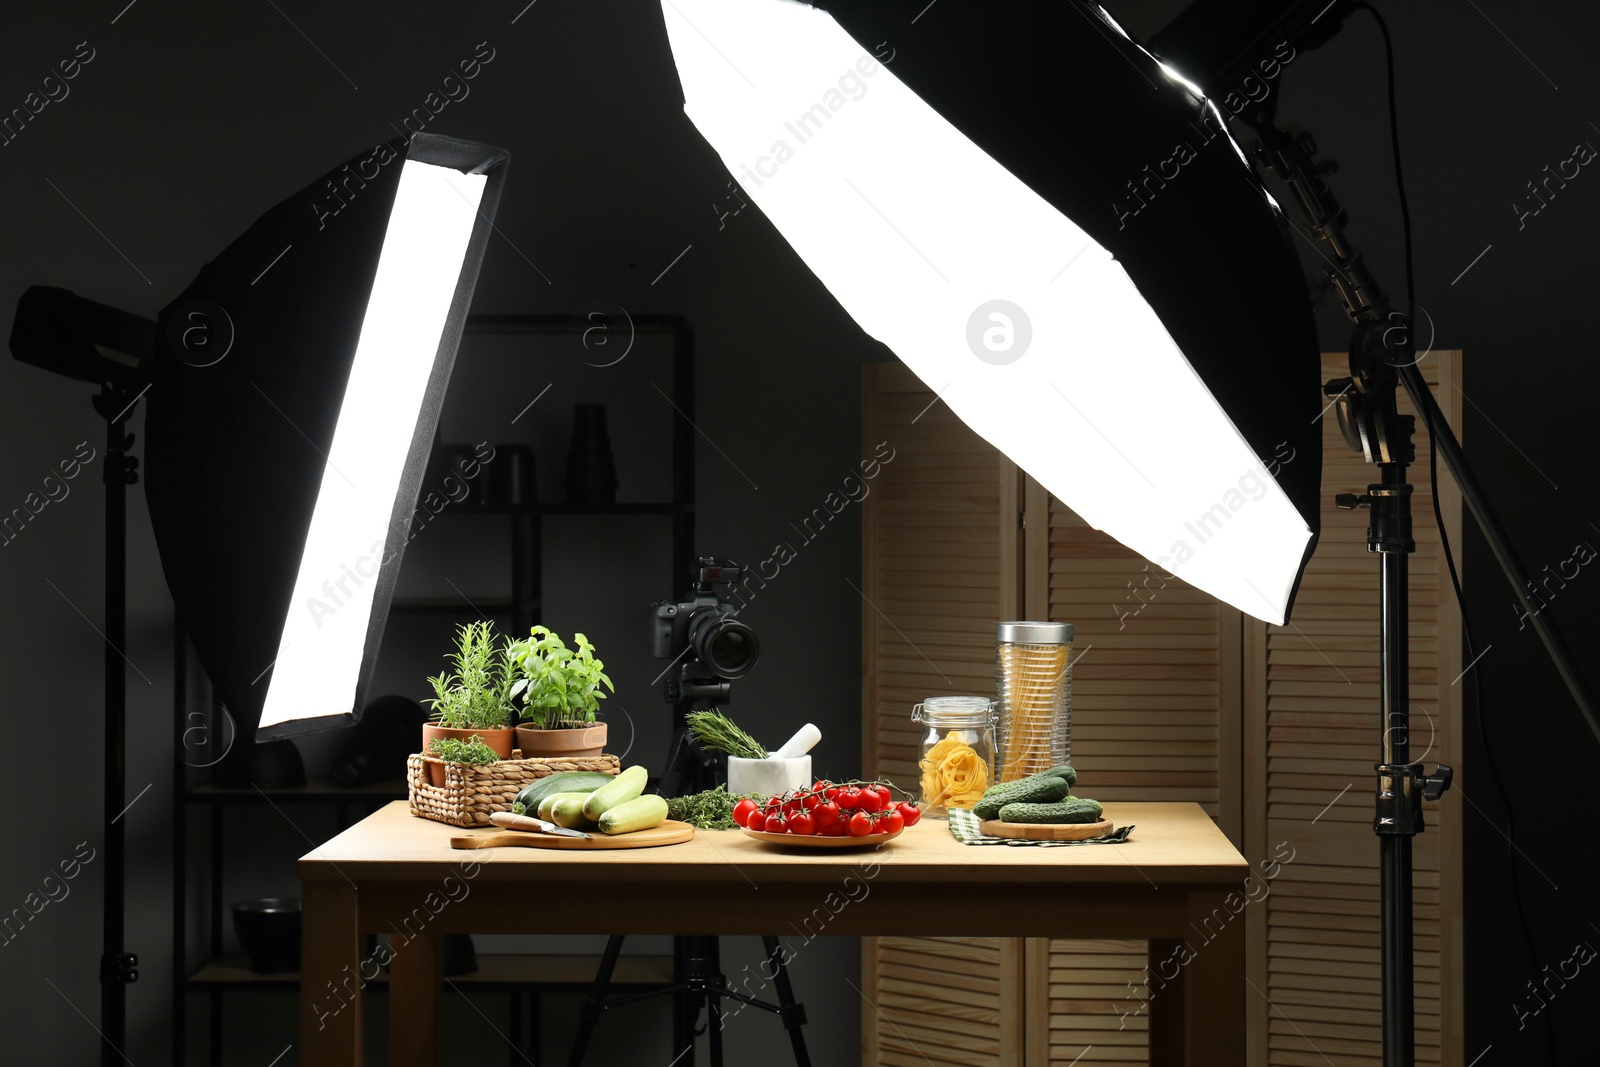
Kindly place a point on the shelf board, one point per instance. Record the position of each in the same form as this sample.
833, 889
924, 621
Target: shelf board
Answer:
494, 971
316, 789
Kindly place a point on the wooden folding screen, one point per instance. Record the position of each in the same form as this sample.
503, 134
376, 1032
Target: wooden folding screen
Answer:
1175, 697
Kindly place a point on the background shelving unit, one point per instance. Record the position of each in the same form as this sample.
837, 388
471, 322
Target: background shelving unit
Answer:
521, 976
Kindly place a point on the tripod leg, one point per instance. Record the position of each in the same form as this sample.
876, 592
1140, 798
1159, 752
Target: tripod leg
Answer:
714, 1003
595, 1002
793, 1014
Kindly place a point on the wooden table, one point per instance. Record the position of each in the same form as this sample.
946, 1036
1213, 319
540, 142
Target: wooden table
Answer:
396, 874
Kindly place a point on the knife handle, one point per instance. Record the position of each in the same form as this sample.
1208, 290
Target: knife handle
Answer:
517, 822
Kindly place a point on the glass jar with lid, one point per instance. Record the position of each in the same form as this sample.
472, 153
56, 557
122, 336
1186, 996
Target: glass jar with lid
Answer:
956, 757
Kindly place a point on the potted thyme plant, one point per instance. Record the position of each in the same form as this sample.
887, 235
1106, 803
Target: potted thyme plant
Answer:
473, 699
442, 750
559, 690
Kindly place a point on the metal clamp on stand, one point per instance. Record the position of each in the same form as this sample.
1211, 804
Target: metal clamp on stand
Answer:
1401, 790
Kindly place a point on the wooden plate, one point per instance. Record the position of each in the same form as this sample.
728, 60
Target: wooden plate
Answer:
813, 841
1035, 831
670, 832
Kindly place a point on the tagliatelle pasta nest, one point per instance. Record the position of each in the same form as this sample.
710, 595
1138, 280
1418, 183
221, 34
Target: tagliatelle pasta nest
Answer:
953, 774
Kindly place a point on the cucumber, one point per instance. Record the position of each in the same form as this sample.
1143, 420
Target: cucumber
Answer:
1063, 770
549, 802
1072, 809
640, 813
568, 812
561, 782
621, 789
1036, 789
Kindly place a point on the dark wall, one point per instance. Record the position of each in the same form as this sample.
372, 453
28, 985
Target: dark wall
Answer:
190, 119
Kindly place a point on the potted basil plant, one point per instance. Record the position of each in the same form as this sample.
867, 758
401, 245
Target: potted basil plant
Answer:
559, 689
473, 699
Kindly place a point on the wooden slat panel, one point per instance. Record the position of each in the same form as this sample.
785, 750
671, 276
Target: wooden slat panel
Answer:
1315, 733
940, 566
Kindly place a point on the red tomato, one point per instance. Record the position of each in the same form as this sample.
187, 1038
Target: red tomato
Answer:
818, 786
833, 792
870, 800
810, 801
886, 796
909, 812
790, 807
826, 815
849, 798
757, 821
802, 823
893, 822
774, 802
743, 810
860, 825
776, 824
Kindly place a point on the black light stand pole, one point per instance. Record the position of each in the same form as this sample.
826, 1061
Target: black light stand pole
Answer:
117, 968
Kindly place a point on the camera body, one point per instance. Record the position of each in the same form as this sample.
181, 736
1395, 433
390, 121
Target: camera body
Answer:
705, 625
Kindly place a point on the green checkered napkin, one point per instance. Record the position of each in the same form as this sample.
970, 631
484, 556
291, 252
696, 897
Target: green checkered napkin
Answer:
964, 825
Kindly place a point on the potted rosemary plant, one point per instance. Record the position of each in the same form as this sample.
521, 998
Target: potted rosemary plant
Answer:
473, 699
559, 690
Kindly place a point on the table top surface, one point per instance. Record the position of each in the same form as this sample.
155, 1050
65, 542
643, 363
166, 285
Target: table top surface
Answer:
1173, 844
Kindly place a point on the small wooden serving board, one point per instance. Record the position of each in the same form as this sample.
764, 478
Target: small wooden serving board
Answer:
670, 832
1038, 831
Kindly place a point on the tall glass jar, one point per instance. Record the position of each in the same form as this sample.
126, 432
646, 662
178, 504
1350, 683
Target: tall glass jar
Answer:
1033, 677
957, 752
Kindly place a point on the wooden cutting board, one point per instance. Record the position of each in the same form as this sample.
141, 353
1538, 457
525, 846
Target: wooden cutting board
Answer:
1061, 831
670, 832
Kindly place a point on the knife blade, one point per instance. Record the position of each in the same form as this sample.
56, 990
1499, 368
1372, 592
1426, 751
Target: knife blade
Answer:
533, 825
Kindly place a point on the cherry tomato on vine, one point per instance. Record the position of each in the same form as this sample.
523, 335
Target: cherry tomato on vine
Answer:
893, 822
756, 820
810, 801
849, 798
886, 796
802, 823
909, 812
743, 810
819, 785
870, 800
776, 824
826, 815
860, 825
774, 802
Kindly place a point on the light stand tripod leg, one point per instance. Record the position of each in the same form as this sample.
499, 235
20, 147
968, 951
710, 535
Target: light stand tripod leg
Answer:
714, 1003
792, 1014
595, 1003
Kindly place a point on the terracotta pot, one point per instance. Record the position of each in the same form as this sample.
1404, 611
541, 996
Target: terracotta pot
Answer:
435, 770
584, 741
501, 738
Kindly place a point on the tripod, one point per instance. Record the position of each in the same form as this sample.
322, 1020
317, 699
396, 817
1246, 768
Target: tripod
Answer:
697, 966
700, 985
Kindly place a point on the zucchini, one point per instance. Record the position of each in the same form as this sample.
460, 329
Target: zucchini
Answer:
621, 789
1072, 809
640, 813
1036, 789
549, 802
561, 782
568, 812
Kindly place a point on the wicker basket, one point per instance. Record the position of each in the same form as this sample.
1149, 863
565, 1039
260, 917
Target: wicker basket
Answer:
471, 793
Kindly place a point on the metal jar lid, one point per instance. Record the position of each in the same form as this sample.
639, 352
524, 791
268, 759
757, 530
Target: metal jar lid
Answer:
1034, 633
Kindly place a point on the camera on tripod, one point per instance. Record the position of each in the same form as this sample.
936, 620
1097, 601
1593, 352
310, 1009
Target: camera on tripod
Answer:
710, 648
716, 647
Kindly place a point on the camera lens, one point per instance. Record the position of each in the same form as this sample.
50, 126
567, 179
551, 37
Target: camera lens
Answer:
724, 644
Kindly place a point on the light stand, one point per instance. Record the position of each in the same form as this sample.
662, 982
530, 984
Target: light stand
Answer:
118, 968
1367, 412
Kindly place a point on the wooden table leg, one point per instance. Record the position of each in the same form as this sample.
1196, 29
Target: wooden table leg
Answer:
330, 975
1215, 988
1167, 1006
416, 978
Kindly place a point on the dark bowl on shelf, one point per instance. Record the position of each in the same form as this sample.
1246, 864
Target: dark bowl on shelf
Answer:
269, 930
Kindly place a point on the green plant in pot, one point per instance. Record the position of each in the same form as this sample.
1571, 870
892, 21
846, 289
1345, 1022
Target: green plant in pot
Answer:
442, 750
473, 698
559, 689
